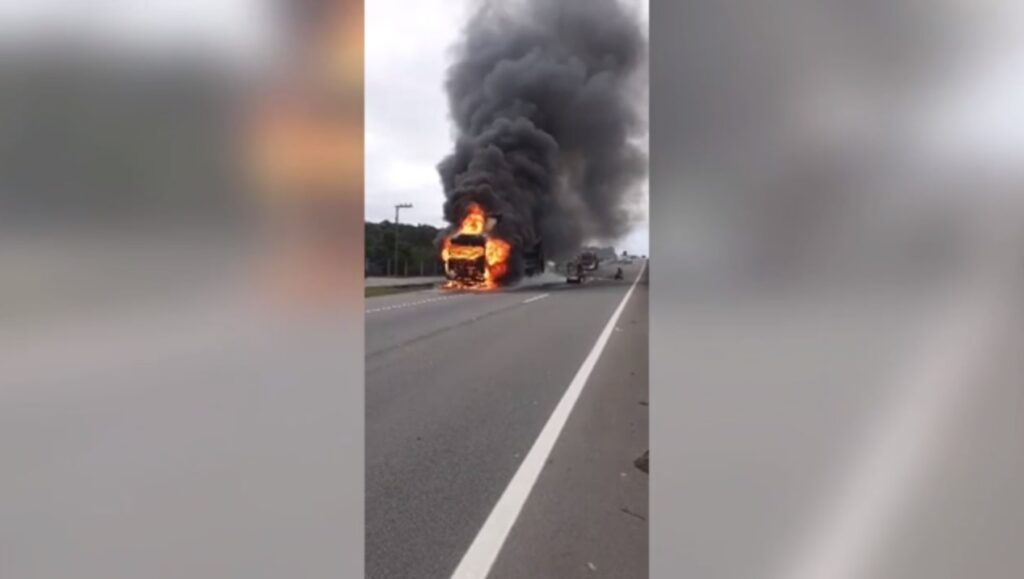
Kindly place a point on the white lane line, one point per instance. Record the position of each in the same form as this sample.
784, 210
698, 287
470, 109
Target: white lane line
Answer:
901, 443
406, 305
535, 298
477, 561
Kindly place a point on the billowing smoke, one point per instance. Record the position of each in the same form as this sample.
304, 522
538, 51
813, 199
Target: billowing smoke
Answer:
546, 101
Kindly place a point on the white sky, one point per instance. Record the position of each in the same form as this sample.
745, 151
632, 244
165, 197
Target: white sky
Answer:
407, 53
407, 42
978, 112
407, 124
237, 28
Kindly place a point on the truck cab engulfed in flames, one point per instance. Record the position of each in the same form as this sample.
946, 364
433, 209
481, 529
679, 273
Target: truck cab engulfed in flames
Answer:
473, 257
466, 260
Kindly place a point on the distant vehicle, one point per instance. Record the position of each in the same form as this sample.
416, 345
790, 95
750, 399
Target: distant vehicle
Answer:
533, 259
589, 261
573, 272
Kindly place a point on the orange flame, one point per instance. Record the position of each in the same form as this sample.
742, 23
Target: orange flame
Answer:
473, 223
495, 251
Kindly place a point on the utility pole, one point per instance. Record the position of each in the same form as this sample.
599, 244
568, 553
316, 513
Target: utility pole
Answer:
398, 207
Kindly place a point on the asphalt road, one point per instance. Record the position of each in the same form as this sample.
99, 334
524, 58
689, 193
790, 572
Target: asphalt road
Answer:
458, 388
863, 423
400, 281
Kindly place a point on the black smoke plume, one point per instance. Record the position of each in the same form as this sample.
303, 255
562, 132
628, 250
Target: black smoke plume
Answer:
545, 97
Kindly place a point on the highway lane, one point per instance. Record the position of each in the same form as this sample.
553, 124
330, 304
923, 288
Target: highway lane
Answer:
399, 319
458, 386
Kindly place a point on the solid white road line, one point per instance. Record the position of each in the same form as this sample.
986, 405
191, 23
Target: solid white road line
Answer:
899, 446
535, 298
477, 561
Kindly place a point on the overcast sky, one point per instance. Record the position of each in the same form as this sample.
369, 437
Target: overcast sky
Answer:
407, 52
242, 28
407, 126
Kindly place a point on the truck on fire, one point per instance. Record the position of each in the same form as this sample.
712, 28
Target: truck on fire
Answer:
476, 259
467, 259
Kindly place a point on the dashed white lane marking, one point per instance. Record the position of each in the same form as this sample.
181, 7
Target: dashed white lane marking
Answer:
535, 298
432, 300
409, 304
477, 561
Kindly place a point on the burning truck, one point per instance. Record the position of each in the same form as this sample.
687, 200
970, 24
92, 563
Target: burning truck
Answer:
541, 96
476, 258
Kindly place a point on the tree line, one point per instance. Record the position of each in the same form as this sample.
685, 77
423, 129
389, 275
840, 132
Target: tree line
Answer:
417, 251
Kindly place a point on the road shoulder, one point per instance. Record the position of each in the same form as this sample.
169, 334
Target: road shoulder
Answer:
587, 513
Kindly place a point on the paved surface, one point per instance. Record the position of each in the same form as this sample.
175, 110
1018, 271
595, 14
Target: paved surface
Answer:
861, 427
202, 437
400, 281
459, 385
